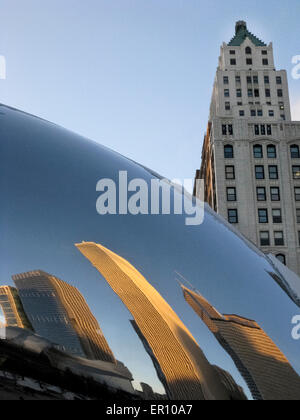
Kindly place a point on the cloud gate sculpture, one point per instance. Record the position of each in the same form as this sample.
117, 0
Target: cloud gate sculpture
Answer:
57, 311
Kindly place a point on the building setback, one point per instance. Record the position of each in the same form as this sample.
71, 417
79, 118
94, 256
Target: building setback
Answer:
12, 308
59, 312
264, 367
178, 359
251, 151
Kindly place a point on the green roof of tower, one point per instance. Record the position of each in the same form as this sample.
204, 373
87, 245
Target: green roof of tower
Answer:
241, 33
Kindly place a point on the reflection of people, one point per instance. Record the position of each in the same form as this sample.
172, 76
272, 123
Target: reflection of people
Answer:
179, 361
264, 367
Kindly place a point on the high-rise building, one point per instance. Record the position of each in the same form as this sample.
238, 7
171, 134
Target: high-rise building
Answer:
179, 361
12, 308
251, 150
59, 312
264, 367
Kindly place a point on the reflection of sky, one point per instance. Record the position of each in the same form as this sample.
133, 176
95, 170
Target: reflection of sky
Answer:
48, 182
136, 75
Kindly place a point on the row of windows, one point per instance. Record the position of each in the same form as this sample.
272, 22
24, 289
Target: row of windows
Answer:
253, 93
252, 80
271, 151
261, 194
260, 172
248, 51
227, 129
258, 152
263, 216
249, 62
263, 130
265, 240
254, 112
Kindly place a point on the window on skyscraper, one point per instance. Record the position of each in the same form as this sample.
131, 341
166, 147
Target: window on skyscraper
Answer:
264, 238
272, 153
258, 151
259, 172
239, 93
295, 153
279, 238
261, 194
273, 172
233, 216
230, 172
298, 215
281, 258
276, 215
297, 194
231, 194
263, 216
296, 172
275, 194
228, 152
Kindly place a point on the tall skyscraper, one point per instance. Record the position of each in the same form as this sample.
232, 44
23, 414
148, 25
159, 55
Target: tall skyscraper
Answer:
12, 308
59, 312
264, 367
179, 361
251, 150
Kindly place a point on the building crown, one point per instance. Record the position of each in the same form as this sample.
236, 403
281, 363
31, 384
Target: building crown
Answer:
241, 33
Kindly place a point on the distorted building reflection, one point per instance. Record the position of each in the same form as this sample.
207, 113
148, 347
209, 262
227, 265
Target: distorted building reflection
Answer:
264, 367
180, 363
59, 313
12, 309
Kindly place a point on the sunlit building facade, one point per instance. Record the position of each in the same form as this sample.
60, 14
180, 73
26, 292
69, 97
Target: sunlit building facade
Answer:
264, 367
251, 150
12, 308
59, 312
179, 361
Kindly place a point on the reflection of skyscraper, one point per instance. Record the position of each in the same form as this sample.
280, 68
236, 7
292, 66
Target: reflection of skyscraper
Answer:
13, 311
264, 367
181, 364
59, 313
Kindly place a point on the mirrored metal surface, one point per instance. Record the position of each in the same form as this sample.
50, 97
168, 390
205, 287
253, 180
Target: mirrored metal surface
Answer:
59, 310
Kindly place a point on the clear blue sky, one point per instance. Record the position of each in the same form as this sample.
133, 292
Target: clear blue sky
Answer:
134, 75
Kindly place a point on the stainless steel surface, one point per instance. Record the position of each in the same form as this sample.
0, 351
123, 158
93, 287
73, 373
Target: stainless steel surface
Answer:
48, 179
